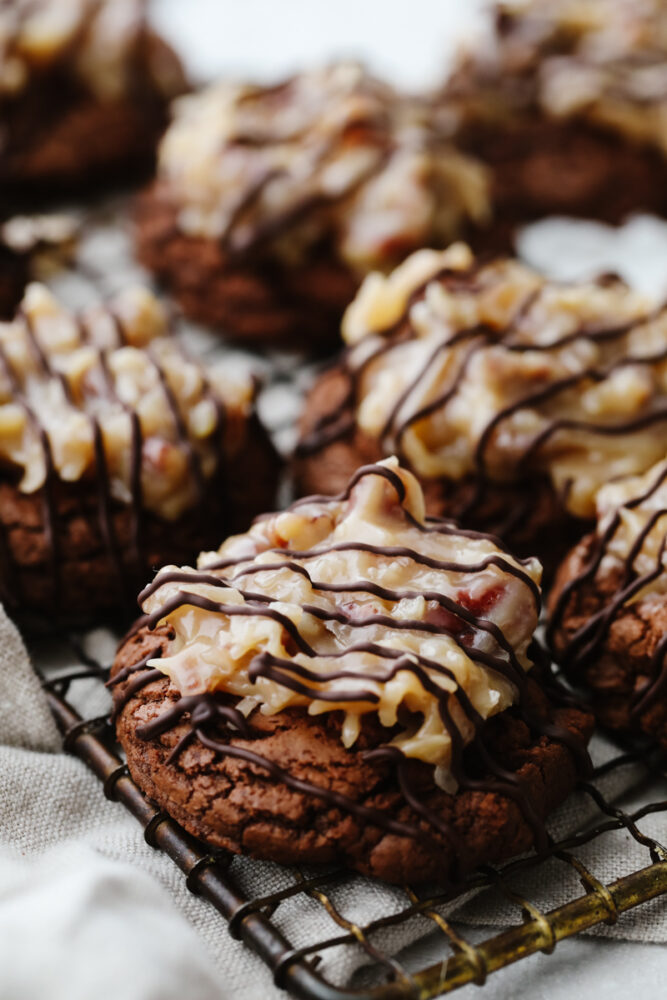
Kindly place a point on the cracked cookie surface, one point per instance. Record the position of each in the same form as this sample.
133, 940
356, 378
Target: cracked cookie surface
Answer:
237, 805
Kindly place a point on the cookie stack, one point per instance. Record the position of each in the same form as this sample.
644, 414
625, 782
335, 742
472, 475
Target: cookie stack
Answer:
355, 678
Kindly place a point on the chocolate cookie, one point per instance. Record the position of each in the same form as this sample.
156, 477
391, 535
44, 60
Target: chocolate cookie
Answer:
513, 398
271, 203
331, 687
567, 106
117, 453
83, 95
608, 608
253, 301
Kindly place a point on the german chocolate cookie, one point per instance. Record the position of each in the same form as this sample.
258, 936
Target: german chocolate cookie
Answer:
608, 608
271, 203
349, 682
84, 87
566, 103
117, 452
511, 397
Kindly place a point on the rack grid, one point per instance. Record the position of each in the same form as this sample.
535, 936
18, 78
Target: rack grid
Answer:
295, 969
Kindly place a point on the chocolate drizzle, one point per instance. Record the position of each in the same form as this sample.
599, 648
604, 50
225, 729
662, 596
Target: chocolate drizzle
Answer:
253, 224
340, 422
217, 725
127, 566
136, 449
254, 238
587, 643
297, 157
242, 235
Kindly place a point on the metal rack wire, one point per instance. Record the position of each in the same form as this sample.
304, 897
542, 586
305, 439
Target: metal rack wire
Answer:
251, 919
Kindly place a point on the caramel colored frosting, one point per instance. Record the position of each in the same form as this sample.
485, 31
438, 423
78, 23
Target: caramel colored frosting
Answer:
96, 42
632, 520
491, 370
113, 382
332, 155
356, 603
620, 573
604, 60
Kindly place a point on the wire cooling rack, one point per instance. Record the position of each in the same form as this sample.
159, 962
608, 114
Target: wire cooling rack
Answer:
254, 919
102, 264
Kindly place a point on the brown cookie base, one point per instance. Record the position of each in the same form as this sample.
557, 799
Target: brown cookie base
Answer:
619, 672
250, 300
545, 167
528, 516
240, 806
61, 140
81, 572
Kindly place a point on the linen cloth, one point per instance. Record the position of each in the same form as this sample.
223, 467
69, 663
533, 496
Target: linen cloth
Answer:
88, 908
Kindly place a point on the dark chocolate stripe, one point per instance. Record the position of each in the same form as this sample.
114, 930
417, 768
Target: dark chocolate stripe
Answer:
394, 551
586, 644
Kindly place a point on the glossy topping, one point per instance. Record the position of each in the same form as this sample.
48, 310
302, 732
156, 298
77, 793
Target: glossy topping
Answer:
632, 518
604, 60
111, 391
464, 368
361, 604
329, 155
629, 550
97, 42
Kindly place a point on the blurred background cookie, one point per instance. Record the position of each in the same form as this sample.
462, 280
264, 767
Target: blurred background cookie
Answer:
117, 452
567, 103
272, 202
84, 87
